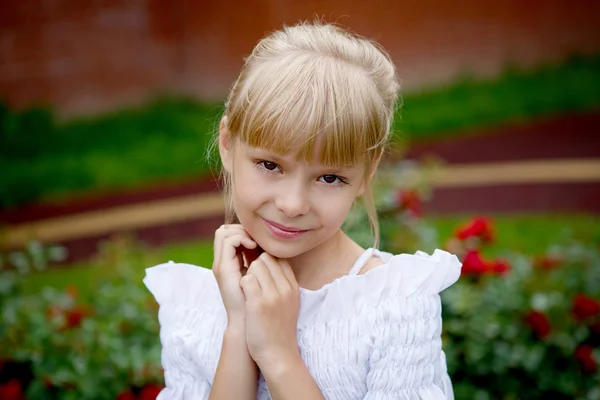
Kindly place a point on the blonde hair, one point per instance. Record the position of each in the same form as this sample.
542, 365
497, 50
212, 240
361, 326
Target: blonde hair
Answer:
315, 81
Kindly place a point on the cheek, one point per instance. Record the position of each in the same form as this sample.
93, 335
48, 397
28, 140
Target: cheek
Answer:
335, 210
248, 188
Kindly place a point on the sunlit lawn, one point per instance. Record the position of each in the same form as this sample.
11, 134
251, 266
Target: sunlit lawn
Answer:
529, 234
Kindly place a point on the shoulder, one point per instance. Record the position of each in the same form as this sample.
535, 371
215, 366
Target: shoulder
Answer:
398, 282
420, 272
180, 283
402, 275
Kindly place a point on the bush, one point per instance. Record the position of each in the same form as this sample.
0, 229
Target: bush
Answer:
523, 326
56, 345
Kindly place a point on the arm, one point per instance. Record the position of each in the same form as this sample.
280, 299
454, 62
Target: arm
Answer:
235, 365
272, 306
290, 380
236, 374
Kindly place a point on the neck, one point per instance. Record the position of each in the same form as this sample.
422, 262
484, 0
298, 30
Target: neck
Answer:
326, 262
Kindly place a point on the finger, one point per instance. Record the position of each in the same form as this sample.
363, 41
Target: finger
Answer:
217, 247
221, 233
287, 270
230, 247
252, 254
251, 288
282, 283
264, 278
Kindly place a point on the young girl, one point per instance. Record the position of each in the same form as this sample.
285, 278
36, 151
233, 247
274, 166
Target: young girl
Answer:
293, 308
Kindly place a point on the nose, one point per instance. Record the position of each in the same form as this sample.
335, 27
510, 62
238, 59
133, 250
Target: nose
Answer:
293, 200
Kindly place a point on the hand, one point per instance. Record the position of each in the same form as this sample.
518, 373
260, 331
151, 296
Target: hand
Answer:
232, 243
272, 306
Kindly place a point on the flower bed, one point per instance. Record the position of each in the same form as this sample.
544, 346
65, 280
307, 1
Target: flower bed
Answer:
515, 325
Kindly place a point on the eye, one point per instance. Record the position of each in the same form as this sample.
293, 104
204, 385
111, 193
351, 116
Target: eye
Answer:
333, 180
330, 178
269, 165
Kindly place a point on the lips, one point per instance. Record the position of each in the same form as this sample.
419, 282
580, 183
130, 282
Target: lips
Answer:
285, 228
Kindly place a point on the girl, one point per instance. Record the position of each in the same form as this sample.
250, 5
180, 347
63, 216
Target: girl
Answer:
293, 308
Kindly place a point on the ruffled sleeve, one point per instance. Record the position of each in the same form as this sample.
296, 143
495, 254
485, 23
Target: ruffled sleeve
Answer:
407, 361
191, 319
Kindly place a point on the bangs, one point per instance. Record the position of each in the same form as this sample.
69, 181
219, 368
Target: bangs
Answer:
319, 108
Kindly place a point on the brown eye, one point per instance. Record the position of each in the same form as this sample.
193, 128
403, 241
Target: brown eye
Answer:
330, 178
271, 166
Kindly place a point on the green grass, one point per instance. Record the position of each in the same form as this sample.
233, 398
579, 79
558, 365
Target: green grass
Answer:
168, 139
86, 276
528, 234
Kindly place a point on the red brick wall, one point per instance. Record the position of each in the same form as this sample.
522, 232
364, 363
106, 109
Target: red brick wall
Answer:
89, 56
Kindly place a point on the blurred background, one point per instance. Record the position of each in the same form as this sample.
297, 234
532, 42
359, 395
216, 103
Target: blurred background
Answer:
107, 110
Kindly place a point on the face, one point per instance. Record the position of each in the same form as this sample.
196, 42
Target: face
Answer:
289, 207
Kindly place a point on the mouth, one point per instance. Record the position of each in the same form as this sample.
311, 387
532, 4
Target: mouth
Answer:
282, 231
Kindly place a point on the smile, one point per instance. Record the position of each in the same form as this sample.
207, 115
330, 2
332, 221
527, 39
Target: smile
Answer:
282, 231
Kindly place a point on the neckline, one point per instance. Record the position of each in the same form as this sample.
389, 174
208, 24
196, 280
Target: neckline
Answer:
352, 273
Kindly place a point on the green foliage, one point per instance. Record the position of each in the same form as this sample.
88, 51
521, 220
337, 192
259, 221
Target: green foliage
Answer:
517, 96
495, 347
166, 139
79, 348
41, 158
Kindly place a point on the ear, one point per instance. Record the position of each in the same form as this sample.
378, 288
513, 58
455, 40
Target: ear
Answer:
369, 175
225, 145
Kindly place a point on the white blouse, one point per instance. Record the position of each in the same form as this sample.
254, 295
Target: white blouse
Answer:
370, 336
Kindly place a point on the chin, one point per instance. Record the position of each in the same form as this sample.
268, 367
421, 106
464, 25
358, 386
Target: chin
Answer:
281, 250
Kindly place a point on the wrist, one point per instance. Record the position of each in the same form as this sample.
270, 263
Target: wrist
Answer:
280, 366
235, 330
236, 321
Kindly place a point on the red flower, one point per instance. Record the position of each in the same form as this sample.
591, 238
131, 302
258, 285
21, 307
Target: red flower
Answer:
500, 267
409, 200
473, 264
127, 395
48, 382
539, 323
76, 315
584, 355
480, 227
11, 390
547, 262
150, 392
585, 307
